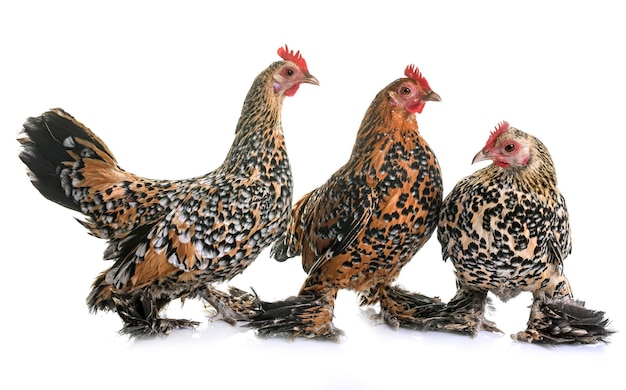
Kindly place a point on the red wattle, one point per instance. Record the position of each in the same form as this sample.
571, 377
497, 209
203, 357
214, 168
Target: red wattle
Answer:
292, 91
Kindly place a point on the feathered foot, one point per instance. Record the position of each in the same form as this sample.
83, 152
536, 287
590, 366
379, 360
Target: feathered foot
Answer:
236, 305
402, 308
464, 313
141, 318
564, 321
308, 315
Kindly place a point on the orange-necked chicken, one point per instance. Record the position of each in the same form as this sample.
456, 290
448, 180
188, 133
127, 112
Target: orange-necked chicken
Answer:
506, 230
366, 222
171, 239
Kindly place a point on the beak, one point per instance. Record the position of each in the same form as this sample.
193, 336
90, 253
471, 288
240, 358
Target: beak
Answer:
481, 156
309, 78
431, 96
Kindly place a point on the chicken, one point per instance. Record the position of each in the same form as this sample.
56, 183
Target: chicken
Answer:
173, 239
506, 230
366, 222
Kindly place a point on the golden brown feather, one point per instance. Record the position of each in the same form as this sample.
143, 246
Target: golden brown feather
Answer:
367, 221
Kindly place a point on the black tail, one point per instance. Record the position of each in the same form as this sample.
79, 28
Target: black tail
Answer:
51, 144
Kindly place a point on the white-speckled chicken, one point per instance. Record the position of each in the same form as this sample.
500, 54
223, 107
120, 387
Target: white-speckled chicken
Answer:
506, 230
172, 239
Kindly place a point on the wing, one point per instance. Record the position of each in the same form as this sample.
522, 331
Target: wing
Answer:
290, 244
559, 241
451, 216
217, 227
334, 217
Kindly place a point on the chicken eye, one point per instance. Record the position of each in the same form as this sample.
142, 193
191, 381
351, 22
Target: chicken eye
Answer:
289, 72
406, 91
509, 148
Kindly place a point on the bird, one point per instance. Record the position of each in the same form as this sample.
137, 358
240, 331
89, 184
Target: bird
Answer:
358, 229
506, 230
172, 239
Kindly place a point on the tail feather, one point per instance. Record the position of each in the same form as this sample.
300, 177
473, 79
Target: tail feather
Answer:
71, 166
51, 144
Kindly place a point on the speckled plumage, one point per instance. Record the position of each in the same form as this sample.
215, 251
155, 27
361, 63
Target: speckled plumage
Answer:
172, 239
506, 230
367, 221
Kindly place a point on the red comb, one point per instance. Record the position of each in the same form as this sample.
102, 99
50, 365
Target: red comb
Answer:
289, 55
500, 128
412, 72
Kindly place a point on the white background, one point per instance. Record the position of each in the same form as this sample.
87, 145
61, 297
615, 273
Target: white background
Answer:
163, 85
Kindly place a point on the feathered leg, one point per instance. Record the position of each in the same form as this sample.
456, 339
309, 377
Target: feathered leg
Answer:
564, 321
557, 318
139, 310
402, 308
232, 306
307, 315
140, 313
464, 313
